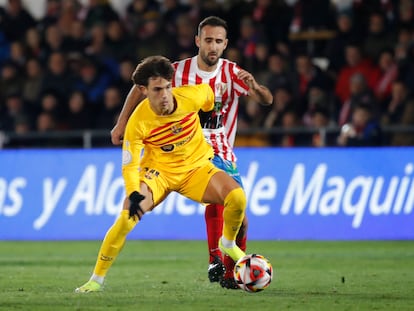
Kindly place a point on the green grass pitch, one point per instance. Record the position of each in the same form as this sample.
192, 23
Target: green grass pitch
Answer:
172, 275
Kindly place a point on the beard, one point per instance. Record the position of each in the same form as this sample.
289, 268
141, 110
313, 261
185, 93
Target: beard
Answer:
209, 62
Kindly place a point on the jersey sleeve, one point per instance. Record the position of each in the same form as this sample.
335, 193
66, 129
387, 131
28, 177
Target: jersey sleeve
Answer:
208, 97
131, 155
240, 87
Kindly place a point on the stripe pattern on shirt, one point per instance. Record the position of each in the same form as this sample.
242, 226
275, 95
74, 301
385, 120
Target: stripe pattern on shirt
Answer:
220, 127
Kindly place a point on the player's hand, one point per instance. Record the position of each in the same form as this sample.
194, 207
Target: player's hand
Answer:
248, 78
135, 199
117, 134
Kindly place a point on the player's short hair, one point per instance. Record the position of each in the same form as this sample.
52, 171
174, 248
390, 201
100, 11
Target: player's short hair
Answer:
153, 67
212, 21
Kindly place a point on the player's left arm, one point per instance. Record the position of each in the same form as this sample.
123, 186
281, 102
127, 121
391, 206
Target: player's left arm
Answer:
259, 93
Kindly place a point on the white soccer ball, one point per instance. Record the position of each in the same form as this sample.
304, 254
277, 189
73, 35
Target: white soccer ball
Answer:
253, 273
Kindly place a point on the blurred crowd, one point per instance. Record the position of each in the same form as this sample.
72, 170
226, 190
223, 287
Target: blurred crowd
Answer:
347, 64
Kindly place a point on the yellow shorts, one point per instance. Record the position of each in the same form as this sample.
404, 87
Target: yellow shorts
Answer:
191, 184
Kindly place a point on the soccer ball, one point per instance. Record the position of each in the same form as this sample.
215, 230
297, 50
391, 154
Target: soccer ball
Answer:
253, 273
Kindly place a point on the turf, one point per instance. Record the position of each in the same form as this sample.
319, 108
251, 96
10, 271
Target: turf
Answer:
171, 275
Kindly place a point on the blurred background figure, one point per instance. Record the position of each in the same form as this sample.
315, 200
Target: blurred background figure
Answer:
364, 129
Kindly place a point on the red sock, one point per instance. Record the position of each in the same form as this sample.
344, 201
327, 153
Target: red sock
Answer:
214, 226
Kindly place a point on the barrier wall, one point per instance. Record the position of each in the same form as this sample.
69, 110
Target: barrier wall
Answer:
325, 194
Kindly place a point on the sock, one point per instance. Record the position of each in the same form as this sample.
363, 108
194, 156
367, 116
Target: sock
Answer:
227, 261
233, 214
214, 226
97, 278
113, 242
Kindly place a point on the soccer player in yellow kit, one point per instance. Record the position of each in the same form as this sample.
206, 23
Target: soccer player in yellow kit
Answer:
176, 157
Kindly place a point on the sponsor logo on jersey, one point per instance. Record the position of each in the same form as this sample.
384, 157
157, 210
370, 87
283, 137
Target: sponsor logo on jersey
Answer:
167, 148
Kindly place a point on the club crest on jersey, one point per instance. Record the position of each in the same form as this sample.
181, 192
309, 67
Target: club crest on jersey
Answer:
220, 89
176, 128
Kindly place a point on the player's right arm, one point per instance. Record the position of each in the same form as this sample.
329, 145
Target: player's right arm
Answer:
133, 98
131, 155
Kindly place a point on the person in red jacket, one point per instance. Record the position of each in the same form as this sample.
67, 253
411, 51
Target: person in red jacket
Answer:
356, 63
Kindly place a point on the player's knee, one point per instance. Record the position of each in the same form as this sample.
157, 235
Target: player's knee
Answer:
237, 199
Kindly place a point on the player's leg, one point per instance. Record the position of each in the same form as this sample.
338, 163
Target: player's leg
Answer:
227, 281
209, 184
214, 225
114, 241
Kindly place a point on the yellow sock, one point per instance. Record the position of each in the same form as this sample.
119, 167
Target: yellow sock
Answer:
113, 242
233, 214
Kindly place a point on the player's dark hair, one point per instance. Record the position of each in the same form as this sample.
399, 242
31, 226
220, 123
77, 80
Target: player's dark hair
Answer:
212, 21
153, 67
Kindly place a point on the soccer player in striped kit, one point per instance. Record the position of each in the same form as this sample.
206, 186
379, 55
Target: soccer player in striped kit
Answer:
228, 82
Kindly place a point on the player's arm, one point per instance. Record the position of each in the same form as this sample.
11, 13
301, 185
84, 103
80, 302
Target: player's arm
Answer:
259, 93
131, 156
133, 98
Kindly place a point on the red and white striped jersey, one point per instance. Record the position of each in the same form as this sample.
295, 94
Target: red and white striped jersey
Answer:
220, 125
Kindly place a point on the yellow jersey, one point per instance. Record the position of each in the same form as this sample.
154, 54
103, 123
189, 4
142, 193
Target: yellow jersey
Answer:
171, 143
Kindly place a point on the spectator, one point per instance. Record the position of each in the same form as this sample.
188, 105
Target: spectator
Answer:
184, 38
135, 13
124, 82
291, 121
278, 74
15, 20
283, 102
112, 105
378, 37
319, 119
17, 54
93, 81
389, 73
247, 41
11, 81
172, 9
304, 76
14, 109
260, 61
75, 40
33, 43
318, 99
407, 119
345, 34
363, 130
118, 44
232, 53
53, 12
395, 107
360, 93
57, 77
32, 86
355, 63
53, 41
151, 38
97, 12
78, 116
51, 103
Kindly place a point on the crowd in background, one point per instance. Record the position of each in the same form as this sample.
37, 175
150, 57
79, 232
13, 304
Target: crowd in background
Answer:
71, 69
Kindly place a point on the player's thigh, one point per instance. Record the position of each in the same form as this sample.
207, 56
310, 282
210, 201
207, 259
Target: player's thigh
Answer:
229, 167
194, 183
219, 186
154, 186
